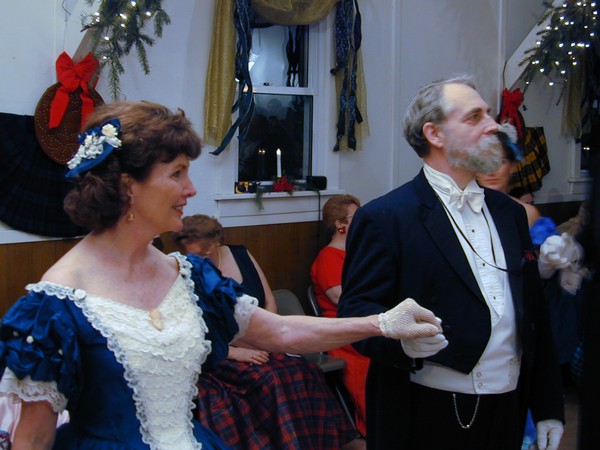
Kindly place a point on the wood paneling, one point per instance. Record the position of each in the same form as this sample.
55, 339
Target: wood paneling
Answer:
24, 263
284, 252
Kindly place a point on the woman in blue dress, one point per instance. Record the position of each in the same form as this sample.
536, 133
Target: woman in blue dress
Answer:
116, 332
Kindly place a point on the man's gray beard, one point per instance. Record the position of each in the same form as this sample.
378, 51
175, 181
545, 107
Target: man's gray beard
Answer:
483, 157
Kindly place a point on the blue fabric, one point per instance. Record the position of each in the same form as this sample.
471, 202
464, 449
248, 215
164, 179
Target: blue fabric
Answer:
541, 230
530, 433
242, 20
348, 37
67, 438
67, 349
87, 164
216, 293
52, 323
577, 364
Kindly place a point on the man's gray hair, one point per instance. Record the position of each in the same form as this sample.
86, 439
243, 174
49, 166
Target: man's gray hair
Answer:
429, 106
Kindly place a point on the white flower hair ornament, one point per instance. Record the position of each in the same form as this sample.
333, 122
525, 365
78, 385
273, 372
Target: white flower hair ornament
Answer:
95, 145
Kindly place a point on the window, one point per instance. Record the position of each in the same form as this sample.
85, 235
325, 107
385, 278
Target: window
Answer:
283, 115
279, 56
280, 122
314, 92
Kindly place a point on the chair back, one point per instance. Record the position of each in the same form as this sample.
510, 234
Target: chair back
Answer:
287, 303
312, 299
332, 366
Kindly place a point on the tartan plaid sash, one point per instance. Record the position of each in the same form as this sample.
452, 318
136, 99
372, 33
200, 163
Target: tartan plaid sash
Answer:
535, 164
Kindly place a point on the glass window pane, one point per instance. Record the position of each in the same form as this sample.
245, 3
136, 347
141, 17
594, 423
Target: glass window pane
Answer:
584, 162
279, 56
279, 122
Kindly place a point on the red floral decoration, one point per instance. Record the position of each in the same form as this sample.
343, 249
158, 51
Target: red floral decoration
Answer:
528, 255
283, 185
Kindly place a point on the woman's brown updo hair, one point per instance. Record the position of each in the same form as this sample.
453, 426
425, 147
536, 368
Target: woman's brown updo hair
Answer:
336, 208
150, 133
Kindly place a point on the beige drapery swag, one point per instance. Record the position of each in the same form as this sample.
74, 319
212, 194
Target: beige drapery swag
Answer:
220, 80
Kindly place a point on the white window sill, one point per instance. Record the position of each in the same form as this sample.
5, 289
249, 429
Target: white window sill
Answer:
278, 207
580, 180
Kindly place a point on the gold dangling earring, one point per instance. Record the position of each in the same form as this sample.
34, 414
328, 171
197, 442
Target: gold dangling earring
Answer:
130, 217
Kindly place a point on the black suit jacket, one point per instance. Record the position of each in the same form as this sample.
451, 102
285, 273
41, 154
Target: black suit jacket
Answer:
403, 245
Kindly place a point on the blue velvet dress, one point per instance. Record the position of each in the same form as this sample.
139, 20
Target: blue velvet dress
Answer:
126, 377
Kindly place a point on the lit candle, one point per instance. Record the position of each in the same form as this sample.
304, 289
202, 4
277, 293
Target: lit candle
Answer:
261, 163
278, 153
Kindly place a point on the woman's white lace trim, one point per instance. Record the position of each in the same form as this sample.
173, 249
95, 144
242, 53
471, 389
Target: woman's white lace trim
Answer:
28, 390
244, 308
154, 359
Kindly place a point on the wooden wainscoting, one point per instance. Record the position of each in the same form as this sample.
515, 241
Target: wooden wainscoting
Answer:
24, 263
285, 252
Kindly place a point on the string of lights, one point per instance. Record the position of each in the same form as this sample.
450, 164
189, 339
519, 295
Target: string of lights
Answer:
566, 40
118, 26
567, 54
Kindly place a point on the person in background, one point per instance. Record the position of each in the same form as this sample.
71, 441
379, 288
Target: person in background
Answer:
560, 255
275, 400
522, 194
499, 179
540, 229
326, 276
465, 253
116, 332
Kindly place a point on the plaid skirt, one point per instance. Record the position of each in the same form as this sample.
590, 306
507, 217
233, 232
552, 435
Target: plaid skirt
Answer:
283, 404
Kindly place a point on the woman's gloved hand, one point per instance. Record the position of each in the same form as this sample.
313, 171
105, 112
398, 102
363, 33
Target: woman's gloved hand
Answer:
408, 320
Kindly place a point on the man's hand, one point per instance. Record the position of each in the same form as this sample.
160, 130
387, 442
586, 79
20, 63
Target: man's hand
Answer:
422, 347
549, 433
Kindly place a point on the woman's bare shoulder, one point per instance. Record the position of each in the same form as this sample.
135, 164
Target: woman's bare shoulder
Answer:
67, 270
533, 214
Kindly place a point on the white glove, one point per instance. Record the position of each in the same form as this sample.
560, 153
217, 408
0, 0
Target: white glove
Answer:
549, 433
408, 320
570, 280
558, 252
422, 347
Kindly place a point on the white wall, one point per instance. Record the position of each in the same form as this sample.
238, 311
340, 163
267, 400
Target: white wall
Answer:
406, 44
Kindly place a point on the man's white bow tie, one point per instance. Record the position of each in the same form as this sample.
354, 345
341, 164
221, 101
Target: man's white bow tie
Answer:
471, 196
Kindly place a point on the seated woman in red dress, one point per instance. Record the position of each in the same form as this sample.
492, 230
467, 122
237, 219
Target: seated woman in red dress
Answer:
256, 400
326, 274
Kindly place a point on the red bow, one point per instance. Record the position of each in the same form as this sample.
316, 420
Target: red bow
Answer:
509, 110
72, 76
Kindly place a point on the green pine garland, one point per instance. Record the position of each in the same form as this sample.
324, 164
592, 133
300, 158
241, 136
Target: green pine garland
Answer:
567, 54
118, 26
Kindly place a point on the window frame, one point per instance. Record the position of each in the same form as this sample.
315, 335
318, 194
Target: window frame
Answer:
580, 180
240, 209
